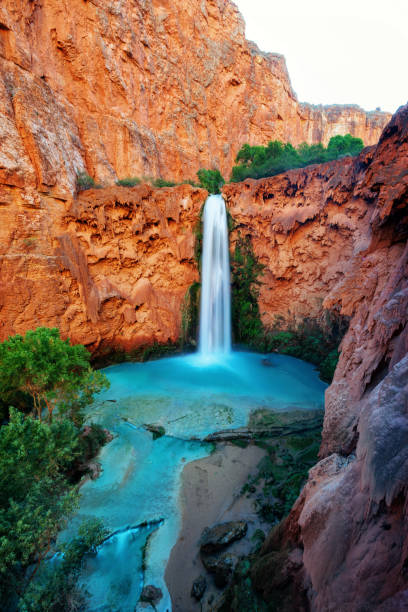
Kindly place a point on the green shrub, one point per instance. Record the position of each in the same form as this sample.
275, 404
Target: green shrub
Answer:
340, 146
258, 162
93, 437
37, 462
190, 315
159, 182
56, 589
35, 499
211, 180
84, 181
130, 181
246, 322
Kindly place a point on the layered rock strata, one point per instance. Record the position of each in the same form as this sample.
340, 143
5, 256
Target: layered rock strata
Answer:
143, 88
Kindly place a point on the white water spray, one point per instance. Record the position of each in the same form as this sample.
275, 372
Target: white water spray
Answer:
215, 308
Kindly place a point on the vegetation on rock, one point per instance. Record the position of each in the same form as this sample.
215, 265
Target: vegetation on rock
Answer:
160, 182
130, 181
114, 355
190, 315
259, 162
84, 182
246, 322
313, 340
211, 180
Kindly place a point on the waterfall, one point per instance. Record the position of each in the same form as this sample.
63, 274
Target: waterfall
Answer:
215, 308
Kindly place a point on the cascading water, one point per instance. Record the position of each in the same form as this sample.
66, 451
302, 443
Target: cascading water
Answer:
215, 308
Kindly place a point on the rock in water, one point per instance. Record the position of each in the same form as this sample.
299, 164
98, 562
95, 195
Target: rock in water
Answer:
151, 594
218, 537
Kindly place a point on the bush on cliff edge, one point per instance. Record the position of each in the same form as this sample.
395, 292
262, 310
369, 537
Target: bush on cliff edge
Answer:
259, 162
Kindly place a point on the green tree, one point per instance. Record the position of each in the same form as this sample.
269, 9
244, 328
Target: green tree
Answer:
35, 499
339, 146
50, 371
258, 162
211, 180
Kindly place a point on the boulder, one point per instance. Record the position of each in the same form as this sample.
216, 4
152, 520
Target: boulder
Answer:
221, 565
218, 537
198, 588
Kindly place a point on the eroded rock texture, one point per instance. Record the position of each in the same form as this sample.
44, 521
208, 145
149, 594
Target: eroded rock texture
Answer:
157, 88
110, 268
304, 226
348, 530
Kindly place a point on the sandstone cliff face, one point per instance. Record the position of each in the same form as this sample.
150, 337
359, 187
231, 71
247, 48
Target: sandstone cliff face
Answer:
349, 526
110, 268
304, 226
148, 88
323, 122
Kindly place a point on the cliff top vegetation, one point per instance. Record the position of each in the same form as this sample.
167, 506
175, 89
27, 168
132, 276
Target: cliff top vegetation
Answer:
259, 162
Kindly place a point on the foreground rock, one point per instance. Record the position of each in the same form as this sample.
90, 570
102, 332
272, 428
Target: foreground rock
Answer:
207, 484
218, 537
221, 565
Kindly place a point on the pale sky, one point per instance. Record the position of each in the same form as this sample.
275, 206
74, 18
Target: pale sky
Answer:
337, 52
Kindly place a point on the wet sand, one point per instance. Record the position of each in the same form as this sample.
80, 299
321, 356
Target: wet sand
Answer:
210, 494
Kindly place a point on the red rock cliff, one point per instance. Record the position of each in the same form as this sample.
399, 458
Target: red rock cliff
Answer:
339, 232
110, 268
148, 88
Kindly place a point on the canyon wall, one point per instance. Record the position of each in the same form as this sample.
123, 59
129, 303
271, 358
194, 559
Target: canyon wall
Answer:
109, 269
305, 226
344, 546
154, 88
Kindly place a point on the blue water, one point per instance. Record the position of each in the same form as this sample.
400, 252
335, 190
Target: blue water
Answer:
140, 477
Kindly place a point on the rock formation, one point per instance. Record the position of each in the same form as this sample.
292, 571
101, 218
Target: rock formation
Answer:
148, 88
345, 542
304, 226
110, 268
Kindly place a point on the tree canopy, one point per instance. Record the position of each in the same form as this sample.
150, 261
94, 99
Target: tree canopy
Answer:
39, 460
276, 157
35, 499
49, 371
211, 180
